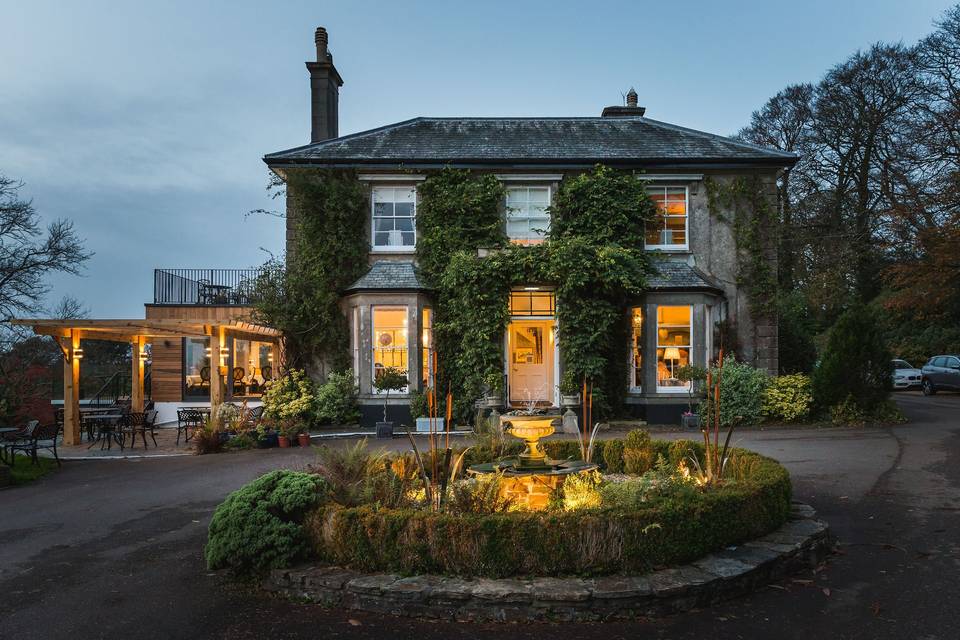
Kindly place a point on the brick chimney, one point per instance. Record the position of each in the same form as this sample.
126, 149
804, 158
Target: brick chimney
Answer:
631, 110
325, 85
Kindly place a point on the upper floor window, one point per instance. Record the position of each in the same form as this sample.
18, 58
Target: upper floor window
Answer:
394, 218
527, 219
668, 230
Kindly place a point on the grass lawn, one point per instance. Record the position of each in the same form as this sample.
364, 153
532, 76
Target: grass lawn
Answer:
24, 471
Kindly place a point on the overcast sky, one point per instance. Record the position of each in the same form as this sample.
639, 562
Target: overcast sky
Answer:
145, 123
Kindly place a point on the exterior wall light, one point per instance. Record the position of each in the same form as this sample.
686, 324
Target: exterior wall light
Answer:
78, 353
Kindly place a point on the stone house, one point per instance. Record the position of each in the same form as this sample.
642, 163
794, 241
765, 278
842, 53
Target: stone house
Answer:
389, 308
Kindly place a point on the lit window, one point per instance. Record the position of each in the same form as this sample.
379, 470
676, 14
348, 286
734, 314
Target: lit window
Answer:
668, 230
394, 218
532, 302
252, 367
426, 346
636, 348
527, 219
389, 339
673, 346
196, 368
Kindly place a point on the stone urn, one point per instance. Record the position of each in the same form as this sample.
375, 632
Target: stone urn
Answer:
530, 429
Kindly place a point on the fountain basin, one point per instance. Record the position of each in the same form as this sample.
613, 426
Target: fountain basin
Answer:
530, 429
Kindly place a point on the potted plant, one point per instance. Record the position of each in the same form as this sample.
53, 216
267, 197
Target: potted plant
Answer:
289, 429
493, 394
690, 373
569, 391
303, 438
388, 379
266, 435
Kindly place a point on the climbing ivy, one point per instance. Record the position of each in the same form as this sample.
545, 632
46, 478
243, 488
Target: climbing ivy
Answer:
594, 259
754, 224
300, 295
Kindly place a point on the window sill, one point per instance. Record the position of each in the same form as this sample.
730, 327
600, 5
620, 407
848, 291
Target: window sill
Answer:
667, 248
683, 390
393, 249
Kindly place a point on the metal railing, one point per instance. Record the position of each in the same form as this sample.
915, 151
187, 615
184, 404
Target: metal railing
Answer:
205, 286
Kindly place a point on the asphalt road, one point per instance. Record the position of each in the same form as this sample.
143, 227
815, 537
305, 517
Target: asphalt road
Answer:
112, 549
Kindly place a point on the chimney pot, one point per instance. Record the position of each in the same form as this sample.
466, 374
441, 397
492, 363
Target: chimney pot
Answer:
631, 98
320, 38
629, 110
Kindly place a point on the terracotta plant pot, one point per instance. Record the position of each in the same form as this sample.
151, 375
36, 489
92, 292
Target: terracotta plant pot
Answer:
284, 442
303, 439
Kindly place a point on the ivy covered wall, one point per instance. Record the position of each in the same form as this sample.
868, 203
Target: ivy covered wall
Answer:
593, 258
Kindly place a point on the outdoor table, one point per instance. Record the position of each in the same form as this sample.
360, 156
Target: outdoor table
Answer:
105, 418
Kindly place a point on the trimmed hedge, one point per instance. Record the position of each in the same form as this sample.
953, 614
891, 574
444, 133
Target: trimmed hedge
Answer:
583, 542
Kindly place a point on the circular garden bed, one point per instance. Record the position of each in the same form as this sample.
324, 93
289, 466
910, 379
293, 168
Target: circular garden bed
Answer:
642, 511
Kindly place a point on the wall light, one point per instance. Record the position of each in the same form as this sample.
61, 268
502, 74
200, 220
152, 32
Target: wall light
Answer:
78, 353
144, 355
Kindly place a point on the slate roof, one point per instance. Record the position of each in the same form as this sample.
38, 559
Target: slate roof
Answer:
390, 275
530, 141
679, 276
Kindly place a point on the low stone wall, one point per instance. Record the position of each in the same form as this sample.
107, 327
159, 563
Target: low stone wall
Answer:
802, 542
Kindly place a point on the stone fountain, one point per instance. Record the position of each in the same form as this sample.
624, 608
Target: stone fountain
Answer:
531, 477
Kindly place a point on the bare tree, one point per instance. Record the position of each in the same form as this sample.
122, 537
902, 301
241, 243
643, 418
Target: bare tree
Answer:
29, 253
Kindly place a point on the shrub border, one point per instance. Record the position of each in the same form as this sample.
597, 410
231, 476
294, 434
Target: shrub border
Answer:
588, 542
803, 542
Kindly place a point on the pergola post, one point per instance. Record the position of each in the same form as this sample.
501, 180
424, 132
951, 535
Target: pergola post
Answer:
71, 388
216, 361
136, 378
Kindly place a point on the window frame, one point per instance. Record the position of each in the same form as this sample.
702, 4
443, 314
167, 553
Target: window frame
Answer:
374, 247
689, 347
686, 219
507, 209
373, 344
636, 333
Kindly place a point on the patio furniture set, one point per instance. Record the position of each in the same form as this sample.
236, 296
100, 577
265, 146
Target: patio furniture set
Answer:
28, 439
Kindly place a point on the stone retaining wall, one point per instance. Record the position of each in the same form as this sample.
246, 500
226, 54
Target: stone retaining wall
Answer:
803, 542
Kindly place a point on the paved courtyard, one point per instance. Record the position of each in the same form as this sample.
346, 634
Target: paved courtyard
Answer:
112, 549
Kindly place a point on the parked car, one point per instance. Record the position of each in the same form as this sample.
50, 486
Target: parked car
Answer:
941, 373
905, 375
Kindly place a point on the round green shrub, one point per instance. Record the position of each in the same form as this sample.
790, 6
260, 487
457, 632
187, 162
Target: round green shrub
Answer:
613, 456
741, 393
260, 526
638, 454
788, 398
637, 536
337, 399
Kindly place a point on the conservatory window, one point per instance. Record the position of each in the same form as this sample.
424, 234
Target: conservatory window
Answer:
527, 219
394, 218
673, 346
668, 230
426, 346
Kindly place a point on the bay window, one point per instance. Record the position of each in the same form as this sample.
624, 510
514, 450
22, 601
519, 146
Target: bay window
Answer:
673, 345
668, 230
527, 219
394, 218
636, 349
390, 339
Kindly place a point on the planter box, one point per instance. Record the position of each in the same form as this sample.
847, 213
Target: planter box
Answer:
570, 401
384, 429
490, 402
423, 424
690, 421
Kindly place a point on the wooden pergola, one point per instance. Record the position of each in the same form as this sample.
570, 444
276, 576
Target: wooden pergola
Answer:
138, 333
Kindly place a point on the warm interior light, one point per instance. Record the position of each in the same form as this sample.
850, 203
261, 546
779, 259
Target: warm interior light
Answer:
671, 353
531, 288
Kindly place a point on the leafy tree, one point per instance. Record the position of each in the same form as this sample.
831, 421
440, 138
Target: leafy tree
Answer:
856, 362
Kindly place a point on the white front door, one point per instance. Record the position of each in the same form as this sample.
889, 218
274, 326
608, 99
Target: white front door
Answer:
530, 360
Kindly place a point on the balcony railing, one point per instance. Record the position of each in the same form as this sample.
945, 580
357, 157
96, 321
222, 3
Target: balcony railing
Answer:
205, 286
